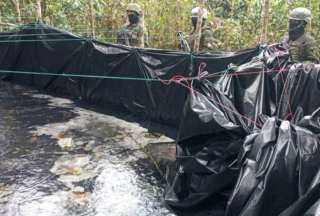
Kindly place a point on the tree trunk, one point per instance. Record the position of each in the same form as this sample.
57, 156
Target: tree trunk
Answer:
44, 11
197, 39
92, 19
265, 21
16, 4
39, 11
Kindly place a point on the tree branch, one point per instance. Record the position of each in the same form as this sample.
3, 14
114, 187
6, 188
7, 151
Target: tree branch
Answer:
7, 24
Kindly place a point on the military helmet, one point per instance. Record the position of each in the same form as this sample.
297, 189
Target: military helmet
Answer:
300, 14
134, 7
195, 12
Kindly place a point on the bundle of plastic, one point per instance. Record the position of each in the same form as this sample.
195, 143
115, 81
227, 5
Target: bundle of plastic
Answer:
226, 148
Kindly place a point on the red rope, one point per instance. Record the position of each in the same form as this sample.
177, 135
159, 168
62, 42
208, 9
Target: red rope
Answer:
225, 107
183, 81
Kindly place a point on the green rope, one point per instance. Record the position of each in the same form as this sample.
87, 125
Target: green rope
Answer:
44, 40
65, 33
24, 36
80, 75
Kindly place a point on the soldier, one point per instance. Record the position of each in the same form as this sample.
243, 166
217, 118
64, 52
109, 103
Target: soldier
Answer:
207, 41
133, 34
301, 45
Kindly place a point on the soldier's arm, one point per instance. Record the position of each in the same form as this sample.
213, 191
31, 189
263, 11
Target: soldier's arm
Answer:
140, 37
146, 38
121, 36
208, 40
294, 52
311, 51
191, 40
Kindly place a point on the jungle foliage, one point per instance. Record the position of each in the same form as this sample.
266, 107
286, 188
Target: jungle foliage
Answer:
236, 23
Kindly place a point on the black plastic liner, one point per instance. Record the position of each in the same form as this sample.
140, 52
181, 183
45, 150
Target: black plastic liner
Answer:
248, 143
55, 51
279, 165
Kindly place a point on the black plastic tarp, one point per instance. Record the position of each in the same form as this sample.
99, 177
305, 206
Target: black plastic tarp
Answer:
43, 49
248, 141
279, 165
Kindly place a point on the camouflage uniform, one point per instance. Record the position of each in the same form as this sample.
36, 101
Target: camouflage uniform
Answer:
207, 41
133, 35
302, 46
304, 49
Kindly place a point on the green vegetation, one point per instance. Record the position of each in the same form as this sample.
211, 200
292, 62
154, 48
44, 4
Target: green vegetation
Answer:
237, 23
